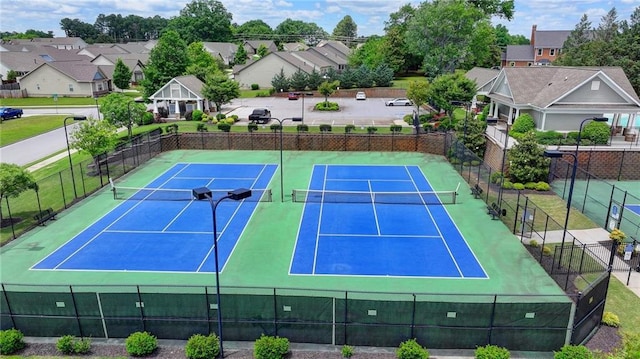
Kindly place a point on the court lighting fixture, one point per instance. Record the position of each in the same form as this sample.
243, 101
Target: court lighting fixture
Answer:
294, 119
202, 193
66, 136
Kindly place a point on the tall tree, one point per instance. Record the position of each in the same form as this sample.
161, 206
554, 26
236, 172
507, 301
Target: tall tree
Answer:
297, 30
220, 89
203, 20
280, 81
579, 35
201, 62
120, 110
526, 160
448, 88
503, 38
397, 53
445, 32
298, 80
94, 137
418, 92
608, 29
122, 75
346, 30
240, 58
495, 7
13, 181
370, 54
167, 60
253, 30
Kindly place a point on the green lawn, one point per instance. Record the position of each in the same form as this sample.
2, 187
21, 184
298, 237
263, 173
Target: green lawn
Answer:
624, 303
403, 81
18, 129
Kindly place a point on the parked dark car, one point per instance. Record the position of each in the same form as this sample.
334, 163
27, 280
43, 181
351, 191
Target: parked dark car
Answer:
293, 95
260, 115
8, 112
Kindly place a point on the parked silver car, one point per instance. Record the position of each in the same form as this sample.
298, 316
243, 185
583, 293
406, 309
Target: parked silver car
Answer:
399, 102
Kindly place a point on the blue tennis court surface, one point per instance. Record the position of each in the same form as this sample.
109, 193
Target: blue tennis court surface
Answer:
379, 239
635, 208
163, 233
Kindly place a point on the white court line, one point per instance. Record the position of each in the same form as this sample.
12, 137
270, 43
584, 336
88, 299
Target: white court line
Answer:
436, 225
107, 227
315, 251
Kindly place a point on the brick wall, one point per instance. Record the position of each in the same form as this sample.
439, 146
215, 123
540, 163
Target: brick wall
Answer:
434, 143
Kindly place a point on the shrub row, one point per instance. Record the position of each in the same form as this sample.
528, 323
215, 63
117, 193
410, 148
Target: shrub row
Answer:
266, 347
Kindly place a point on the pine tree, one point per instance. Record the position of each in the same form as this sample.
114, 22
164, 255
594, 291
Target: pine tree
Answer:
122, 75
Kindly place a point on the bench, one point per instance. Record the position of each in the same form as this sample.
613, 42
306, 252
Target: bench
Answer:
43, 216
494, 211
476, 191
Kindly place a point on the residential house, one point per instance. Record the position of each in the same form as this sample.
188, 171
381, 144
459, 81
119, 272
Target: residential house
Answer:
93, 51
63, 43
66, 78
294, 46
545, 47
484, 79
179, 95
252, 46
24, 61
559, 98
135, 63
224, 51
262, 71
334, 51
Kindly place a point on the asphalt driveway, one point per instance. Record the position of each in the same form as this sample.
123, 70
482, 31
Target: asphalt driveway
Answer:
369, 112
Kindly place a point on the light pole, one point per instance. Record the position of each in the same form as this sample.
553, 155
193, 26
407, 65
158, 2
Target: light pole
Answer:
202, 193
294, 119
303, 94
596, 119
97, 108
558, 154
130, 119
66, 136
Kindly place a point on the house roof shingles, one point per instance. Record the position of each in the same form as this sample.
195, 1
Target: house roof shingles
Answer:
542, 86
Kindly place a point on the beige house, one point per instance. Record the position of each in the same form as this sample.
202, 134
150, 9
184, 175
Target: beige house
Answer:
68, 79
262, 71
135, 63
559, 98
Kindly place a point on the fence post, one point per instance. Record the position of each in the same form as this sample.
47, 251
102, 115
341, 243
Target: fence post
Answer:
346, 315
141, 306
413, 315
75, 309
275, 312
206, 299
6, 299
493, 316
64, 198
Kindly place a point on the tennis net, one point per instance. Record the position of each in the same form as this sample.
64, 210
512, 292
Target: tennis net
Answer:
419, 198
167, 194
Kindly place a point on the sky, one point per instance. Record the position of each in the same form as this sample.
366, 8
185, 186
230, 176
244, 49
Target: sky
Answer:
369, 15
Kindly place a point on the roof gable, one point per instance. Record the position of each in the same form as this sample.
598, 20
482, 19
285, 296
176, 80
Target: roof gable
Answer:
186, 87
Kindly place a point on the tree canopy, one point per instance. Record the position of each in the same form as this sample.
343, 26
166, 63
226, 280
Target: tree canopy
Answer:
345, 30
446, 33
220, 89
167, 60
203, 20
14, 180
122, 75
94, 137
253, 30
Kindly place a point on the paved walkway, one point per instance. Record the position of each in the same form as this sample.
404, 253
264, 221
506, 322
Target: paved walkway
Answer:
590, 236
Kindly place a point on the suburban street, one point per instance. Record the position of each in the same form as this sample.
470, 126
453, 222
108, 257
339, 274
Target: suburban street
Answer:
370, 112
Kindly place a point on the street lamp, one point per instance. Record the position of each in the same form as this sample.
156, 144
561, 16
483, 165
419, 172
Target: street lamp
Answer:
97, 108
303, 94
66, 136
202, 193
294, 119
558, 154
596, 119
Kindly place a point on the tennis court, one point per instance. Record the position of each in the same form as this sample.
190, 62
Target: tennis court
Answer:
635, 208
162, 228
373, 220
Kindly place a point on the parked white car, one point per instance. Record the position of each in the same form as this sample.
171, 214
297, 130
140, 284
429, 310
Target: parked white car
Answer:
361, 96
399, 102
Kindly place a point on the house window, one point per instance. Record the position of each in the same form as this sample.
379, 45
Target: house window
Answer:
175, 90
99, 86
552, 52
595, 85
539, 52
38, 86
70, 87
512, 63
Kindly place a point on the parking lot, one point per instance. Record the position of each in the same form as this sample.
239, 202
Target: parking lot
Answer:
369, 112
